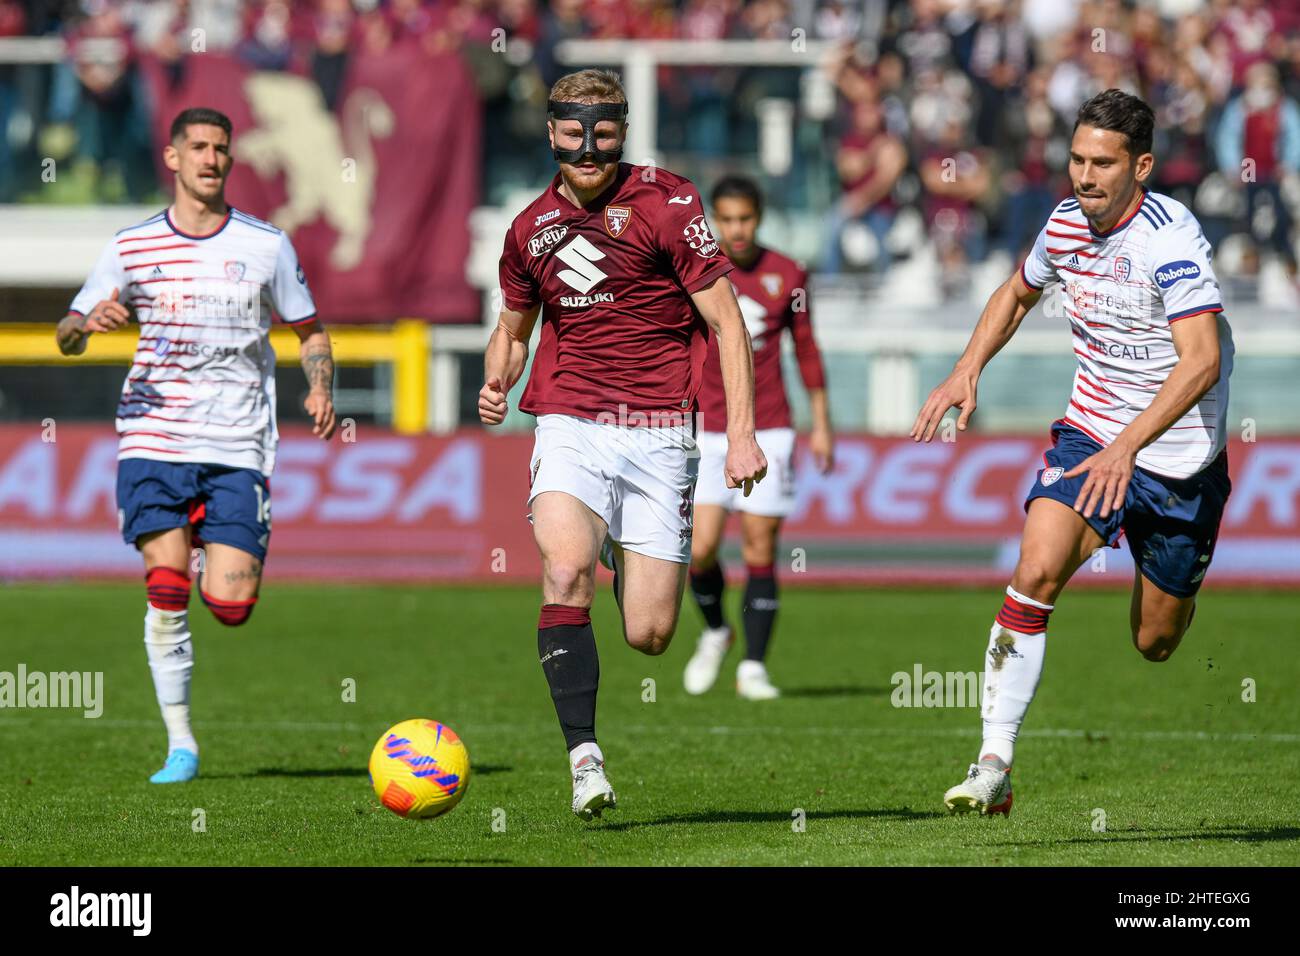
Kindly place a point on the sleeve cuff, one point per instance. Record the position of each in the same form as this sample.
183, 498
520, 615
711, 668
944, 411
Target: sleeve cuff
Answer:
1197, 310
721, 269
305, 318
516, 305
1025, 279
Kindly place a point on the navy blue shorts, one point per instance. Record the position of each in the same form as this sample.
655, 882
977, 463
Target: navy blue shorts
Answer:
1171, 523
226, 505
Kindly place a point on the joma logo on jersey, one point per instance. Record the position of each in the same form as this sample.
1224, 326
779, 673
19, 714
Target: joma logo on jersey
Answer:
546, 239
546, 217
1167, 275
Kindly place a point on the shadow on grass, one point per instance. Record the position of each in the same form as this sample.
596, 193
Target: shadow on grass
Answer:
1179, 835
477, 771
843, 690
774, 816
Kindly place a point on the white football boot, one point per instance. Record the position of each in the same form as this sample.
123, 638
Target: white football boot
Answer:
591, 790
986, 788
703, 667
752, 682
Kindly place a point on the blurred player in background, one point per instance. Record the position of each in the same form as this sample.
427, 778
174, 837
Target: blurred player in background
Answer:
197, 412
621, 265
1141, 448
773, 294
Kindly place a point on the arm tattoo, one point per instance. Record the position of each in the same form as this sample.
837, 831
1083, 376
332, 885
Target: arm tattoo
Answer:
318, 364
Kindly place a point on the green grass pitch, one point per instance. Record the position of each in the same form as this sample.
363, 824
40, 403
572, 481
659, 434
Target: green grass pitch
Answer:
1185, 771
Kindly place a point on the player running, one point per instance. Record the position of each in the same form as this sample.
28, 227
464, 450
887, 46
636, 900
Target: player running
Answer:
197, 412
1141, 449
773, 294
620, 263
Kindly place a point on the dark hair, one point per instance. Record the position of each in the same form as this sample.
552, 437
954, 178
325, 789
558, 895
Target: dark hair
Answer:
739, 187
198, 116
1122, 113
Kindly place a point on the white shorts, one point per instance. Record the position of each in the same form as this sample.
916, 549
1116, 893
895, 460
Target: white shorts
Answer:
639, 480
773, 496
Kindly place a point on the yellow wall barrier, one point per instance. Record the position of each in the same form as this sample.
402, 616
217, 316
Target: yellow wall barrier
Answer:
405, 345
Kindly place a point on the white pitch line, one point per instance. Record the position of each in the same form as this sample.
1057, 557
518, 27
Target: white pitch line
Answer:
717, 730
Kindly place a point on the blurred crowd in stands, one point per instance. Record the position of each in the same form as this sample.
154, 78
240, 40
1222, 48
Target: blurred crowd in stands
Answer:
953, 114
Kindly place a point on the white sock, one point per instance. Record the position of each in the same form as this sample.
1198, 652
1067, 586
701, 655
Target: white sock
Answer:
171, 659
1010, 686
582, 751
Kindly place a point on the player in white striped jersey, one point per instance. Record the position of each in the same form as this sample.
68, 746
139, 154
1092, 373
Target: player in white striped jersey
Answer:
1140, 450
196, 418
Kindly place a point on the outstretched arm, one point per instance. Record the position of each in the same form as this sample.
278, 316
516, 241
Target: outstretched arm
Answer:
1002, 315
318, 365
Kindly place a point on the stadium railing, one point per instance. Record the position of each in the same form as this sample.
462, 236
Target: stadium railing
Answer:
405, 345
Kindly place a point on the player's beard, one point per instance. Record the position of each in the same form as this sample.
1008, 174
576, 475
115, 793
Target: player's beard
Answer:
588, 182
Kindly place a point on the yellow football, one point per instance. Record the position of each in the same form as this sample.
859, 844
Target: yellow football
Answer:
419, 769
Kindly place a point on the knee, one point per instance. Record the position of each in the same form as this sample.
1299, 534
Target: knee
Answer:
1156, 642
229, 613
568, 583
650, 637
703, 558
1034, 578
758, 552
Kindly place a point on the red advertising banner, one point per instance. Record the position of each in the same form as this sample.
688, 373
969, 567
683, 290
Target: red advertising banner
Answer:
389, 507
375, 194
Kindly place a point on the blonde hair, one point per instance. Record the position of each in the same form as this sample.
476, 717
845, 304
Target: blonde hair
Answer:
589, 86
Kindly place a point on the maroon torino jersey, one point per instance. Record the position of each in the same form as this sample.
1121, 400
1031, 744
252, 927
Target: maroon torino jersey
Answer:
766, 292
614, 281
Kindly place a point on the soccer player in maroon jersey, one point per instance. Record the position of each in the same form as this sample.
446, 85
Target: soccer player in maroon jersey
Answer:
773, 296
619, 262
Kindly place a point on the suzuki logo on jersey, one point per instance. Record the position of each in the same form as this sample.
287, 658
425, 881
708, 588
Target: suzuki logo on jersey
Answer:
1052, 475
585, 301
546, 239
1167, 275
1122, 268
234, 270
581, 257
616, 219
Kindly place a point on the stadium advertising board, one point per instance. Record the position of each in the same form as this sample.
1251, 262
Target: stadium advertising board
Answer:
453, 508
